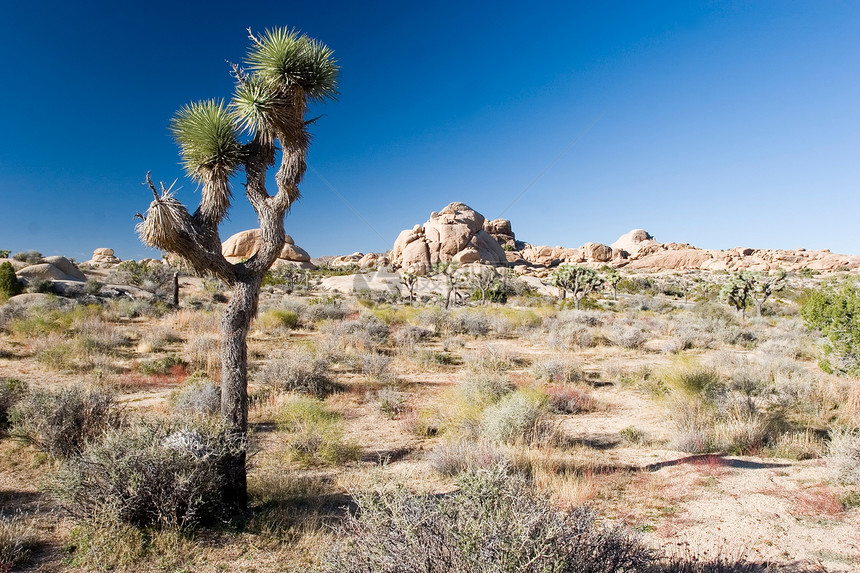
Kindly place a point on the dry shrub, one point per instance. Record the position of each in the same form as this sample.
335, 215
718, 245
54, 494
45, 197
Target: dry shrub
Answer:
377, 367
817, 501
630, 337
197, 395
517, 418
18, 539
166, 476
491, 359
454, 458
419, 422
494, 522
799, 446
11, 392
570, 399
62, 421
408, 336
391, 402
844, 455
559, 370
298, 370
203, 352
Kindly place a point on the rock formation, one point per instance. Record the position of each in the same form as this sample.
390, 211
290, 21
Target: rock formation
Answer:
52, 269
459, 233
361, 260
244, 244
103, 256
456, 233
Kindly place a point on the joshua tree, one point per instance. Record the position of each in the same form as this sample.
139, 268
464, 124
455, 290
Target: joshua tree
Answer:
743, 287
449, 271
285, 71
409, 279
764, 285
483, 281
577, 279
613, 277
736, 292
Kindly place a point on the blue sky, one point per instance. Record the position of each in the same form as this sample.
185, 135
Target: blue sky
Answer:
718, 124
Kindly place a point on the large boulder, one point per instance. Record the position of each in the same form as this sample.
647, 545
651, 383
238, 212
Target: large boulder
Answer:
66, 266
634, 241
456, 233
596, 252
245, 244
45, 272
104, 256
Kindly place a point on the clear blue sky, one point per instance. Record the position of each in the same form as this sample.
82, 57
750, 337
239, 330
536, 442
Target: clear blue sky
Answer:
719, 124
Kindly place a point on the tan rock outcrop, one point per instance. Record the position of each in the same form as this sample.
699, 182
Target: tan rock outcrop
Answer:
633, 241
245, 244
45, 272
66, 266
596, 252
456, 233
104, 256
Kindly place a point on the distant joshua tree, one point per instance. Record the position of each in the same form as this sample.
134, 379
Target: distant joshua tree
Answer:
579, 280
745, 287
285, 71
483, 281
409, 279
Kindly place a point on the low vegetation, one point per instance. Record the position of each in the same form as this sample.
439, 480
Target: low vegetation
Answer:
461, 437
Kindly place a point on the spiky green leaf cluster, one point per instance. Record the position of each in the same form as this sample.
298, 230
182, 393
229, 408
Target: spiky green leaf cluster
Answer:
286, 58
207, 138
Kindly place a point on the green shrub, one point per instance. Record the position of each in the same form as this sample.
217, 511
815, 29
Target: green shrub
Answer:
62, 421
154, 278
92, 287
314, 434
31, 257
161, 366
165, 475
4, 253
834, 310
278, 318
9, 283
494, 522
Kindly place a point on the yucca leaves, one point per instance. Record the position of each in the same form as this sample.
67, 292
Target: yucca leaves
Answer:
207, 137
286, 58
258, 106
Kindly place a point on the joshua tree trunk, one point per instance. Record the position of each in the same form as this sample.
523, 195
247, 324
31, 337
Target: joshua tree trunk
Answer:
235, 323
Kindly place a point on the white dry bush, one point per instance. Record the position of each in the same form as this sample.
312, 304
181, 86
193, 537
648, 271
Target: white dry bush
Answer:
377, 367
453, 458
298, 370
490, 359
516, 418
844, 455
